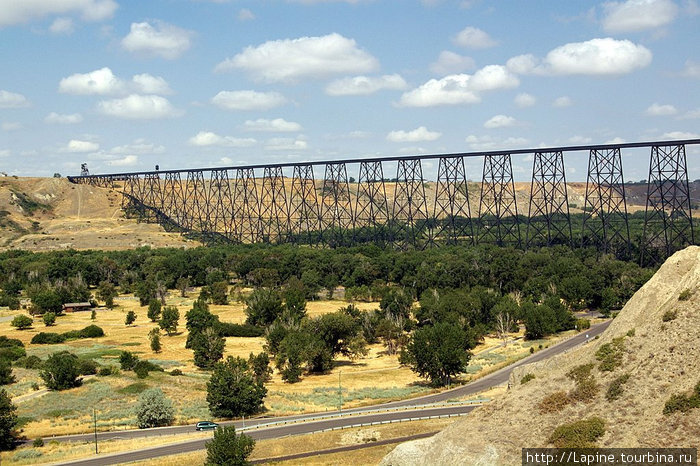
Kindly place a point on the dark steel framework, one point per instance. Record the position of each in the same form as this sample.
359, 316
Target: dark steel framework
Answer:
260, 204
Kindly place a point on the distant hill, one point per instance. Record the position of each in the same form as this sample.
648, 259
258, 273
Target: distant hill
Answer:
649, 355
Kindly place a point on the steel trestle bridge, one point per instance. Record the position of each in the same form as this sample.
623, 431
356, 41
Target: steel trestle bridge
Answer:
290, 202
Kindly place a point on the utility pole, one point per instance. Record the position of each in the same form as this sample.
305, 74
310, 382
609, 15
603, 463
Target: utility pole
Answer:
94, 420
340, 394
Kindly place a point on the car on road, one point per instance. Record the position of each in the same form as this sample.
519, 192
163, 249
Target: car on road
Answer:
206, 425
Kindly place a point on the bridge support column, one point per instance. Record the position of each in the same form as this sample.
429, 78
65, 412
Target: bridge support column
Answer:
304, 215
498, 208
452, 214
246, 208
548, 220
274, 213
371, 208
410, 215
336, 206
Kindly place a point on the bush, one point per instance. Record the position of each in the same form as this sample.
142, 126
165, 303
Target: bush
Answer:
176, 372
154, 409
47, 338
106, 371
8, 421
615, 389
130, 318
685, 295
610, 354
61, 371
669, 315
554, 402
6, 376
228, 329
29, 362
586, 387
582, 324
87, 367
38, 443
127, 360
683, 403
526, 378
91, 331
579, 434
49, 319
11, 349
142, 368
229, 448
22, 322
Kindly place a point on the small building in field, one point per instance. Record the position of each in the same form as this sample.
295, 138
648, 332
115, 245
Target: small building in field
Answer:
73, 307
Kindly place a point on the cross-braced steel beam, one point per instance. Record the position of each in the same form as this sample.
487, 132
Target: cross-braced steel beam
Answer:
410, 214
605, 224
668, 222
371, 208
274, 212
304, 216
548, 220
220, 212
498, 208
194, 202
336, 206
453, 223
246, 209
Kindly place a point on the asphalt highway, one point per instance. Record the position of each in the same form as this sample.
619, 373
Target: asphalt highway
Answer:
290, 425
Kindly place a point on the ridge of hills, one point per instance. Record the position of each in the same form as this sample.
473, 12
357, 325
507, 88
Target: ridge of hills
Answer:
649, 355
43, 214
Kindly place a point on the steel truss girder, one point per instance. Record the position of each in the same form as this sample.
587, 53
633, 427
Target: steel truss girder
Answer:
410, 226
336, 206
548, 220
605, 224
220, 212
452, 214
498, 208
668, 222
274, 211
371, 207
304, 218
195, 208
246, 207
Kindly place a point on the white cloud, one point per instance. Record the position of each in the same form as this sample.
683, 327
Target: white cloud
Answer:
105, 82
488, 143
286, 144
289, 60
17, 12
616, 140
163, 40
594, 57
525, 100
62, 26
563, 101
101, 82
691, 69
129, 160
248, 100
460, 88
277, 125
138, 146
500, 121
417, 135
681, 135
245, 15
208, 138
661, 110
474, 38
139, 107
637, 15
365, 85
63, 119
451, 63
78, 146
12, 100
579, 140
691, 114
11, 126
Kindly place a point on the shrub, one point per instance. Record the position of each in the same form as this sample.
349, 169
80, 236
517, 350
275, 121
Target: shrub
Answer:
29, 362
229, 448
61, 371
92, 331
11, 349
130, 318
586, 387
685, 295
554, 402
22, 322
631, 332
38, 443
87, 367
582, 324
47, 338
154, 409
106, 371
579, 434
526, 378
6, 376
8, 421
141, 370
127, 360
49, 319
669, 315
176, 372
228, 329
615, 389
683, 403
610, 354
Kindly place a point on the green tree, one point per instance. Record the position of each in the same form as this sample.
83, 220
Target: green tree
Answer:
154, 337
49, 319
218, 292
61, 371
46, 300
182, 284
260, 365
169, 319
197, 320
154, 409
291, 354
295, 298
228, 448
264, 305
106, 292
437, 352
208, 348
127, 360
130, 318
396, 303
540, 321
154, 308
8, 421
146, 291
6, 376
22, 322
232, 390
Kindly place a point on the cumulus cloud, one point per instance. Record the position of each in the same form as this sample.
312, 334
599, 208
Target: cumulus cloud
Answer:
17, 12
77, 146
11, 126
488, 143
451, 63
474, 38
661, 110
500, 121
245, 15
289, 60
12, 100
563, 101
105, 82
637, 15
127, 161
208, 139
365, 85
286, 144
525, 100
691, 69
681, 135
460, 88
62, 26
594, 57
139, 107
248, 100
63, 119
278, 125
161, 39
417, 135
138, 146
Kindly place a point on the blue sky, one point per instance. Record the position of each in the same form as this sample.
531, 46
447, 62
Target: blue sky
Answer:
125, 85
